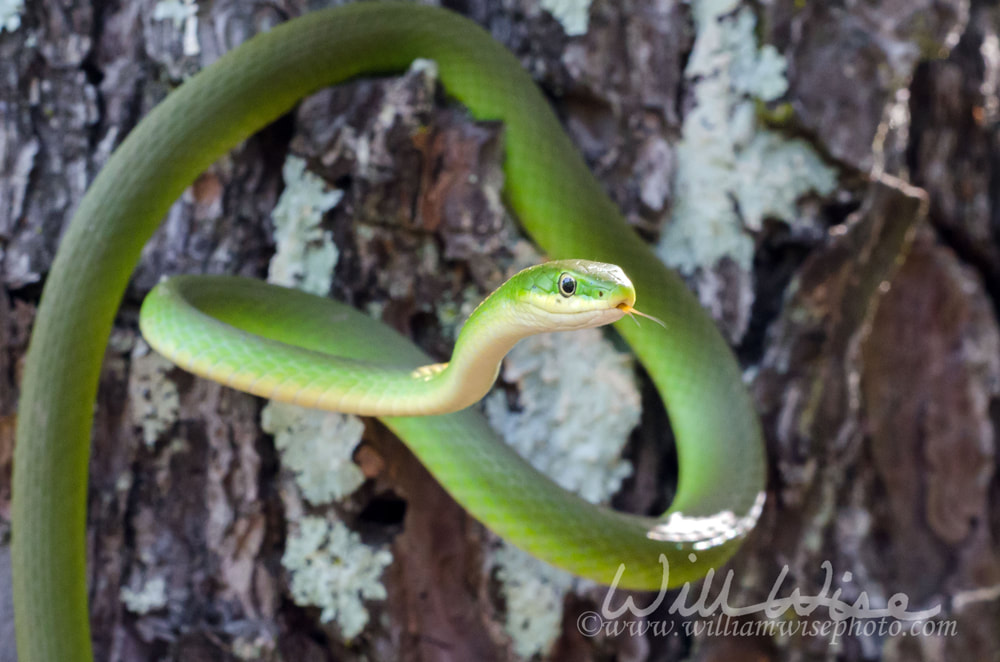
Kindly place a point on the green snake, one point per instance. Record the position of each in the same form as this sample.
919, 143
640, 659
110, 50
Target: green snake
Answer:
559, 204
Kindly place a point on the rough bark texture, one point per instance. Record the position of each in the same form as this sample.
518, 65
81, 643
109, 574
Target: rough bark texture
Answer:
872, 337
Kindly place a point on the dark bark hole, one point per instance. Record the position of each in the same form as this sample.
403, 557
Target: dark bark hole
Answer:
384, 510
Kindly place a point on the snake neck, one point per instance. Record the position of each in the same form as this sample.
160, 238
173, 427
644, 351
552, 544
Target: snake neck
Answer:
490, 332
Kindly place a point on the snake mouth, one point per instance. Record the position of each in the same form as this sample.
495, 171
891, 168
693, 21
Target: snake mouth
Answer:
632, 312
564, 318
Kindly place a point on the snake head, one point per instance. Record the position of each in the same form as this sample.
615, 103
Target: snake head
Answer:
570, 294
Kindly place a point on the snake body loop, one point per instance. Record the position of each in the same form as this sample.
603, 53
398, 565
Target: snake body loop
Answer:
560, 205
202, 324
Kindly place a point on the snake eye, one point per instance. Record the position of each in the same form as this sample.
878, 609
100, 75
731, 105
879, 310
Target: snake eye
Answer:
567, 285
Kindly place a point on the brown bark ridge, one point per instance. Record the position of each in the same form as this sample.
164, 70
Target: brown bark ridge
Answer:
865, 318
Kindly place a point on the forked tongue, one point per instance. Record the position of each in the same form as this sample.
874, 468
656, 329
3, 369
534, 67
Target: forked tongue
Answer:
632, 312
